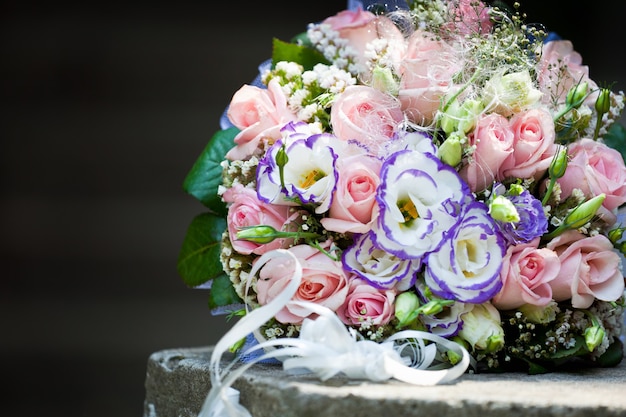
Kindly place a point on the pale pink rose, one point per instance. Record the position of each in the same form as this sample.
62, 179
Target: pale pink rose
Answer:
324, 282
360, 27
533, 145
590, 269
595, 168
366, 304
354, 206
526, 273
260, 114
245, 209
560, 68
469, 17
366, 115
426, 75
492, 140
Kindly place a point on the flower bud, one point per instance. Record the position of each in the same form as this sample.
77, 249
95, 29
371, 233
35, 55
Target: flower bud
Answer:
603, 102
576, 95
540, 314
503, 210
510, 93
257, 234
559, 163
407, 305
451, 151
615, 235
593, 336
434, 306
383, 80
584, 212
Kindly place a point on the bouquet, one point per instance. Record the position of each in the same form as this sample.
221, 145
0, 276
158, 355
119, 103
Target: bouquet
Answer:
436, 179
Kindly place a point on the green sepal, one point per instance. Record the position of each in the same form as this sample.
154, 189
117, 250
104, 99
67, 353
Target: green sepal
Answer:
199, 257
301, 54
205, 175
616, 139
222, 293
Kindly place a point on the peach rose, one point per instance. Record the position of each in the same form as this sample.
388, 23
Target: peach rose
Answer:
245, 210
366, 304
595, 168
354, 205
366, 115
533, 145
590, 269
492, 140
426, 73
260, 114
526, 273
323, 282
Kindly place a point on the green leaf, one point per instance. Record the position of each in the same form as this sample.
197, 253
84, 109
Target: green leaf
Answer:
303, 55
616, 138
613, 355
222, 293
579, 348
205, 175
199, 257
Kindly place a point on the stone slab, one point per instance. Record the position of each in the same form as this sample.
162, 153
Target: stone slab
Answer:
177, 381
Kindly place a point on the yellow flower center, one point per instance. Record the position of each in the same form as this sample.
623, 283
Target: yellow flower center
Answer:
311, 178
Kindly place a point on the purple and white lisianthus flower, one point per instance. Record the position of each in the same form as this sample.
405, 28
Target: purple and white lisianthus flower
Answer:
466, 267
419, 199
308, 173
532, 219
378, 267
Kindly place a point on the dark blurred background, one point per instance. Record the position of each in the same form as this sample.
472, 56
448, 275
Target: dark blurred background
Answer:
105, 107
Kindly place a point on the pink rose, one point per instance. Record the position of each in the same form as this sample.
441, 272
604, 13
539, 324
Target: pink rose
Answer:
354, 206
365, 115
560, 68
590, 269
492, 139
469, 17
323, 282
366, 304
360, 27
595, 168
426, 75
245, 210
260, 114
533, 145
526, 274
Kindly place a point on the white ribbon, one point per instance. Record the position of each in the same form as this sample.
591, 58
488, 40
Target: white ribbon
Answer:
326, 347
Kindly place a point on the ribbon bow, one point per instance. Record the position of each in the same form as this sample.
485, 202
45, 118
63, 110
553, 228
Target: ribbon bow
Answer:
326, 347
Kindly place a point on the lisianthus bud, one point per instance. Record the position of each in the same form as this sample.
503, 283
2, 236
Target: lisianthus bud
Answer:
451, 150
407, 305
434, 306
579, 216
593, 336
258, 234
603, 102
559, 163
615, 235
502, 209
383, 80
540, 314
584, 212
576, 95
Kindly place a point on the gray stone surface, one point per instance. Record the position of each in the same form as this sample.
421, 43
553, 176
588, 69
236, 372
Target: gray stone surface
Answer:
177, 381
